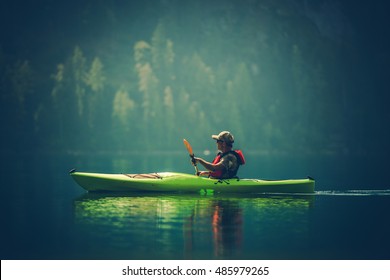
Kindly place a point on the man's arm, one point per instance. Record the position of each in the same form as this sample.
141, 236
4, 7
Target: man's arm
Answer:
210, 166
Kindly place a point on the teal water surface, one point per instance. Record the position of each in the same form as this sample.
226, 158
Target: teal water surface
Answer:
47, 216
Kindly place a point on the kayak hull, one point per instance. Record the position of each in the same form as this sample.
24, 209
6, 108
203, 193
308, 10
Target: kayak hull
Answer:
181, 182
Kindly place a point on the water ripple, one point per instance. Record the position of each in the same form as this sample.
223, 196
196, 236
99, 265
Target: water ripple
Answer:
355, 192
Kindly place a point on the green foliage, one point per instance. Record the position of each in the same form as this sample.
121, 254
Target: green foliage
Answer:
255, 68
95, 77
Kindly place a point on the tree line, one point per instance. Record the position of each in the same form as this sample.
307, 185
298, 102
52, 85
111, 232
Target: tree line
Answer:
277, 89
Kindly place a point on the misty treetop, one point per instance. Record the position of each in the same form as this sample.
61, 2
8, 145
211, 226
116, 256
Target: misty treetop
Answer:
183, 69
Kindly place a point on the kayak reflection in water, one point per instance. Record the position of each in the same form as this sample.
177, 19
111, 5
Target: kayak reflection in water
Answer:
227, 223
225, 220
225, 165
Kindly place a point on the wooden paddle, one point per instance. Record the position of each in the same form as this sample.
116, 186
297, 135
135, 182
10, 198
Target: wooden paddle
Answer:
189, 149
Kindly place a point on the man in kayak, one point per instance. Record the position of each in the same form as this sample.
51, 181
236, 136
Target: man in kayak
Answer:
225, 165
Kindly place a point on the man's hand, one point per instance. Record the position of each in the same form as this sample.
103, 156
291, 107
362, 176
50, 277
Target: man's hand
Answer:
195, 160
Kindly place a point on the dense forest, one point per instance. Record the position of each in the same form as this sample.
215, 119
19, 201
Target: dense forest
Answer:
284, 76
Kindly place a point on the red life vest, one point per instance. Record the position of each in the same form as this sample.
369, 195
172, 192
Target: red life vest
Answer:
240, 159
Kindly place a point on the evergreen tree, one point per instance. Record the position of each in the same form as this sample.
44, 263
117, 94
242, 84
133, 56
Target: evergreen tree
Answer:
95, 79
78, 68
148, 85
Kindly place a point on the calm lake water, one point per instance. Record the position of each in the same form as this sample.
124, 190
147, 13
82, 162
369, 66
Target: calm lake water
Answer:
45, 215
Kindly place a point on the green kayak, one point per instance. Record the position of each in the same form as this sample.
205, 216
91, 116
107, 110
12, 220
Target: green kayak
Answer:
181, 182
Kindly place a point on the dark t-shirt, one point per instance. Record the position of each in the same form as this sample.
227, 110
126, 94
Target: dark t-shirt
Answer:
230, 162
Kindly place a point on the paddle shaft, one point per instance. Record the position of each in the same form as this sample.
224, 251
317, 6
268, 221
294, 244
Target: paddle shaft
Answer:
189, 149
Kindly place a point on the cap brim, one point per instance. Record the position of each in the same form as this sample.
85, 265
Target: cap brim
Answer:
215, 137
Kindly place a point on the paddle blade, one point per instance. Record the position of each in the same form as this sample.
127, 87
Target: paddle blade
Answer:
188, 146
